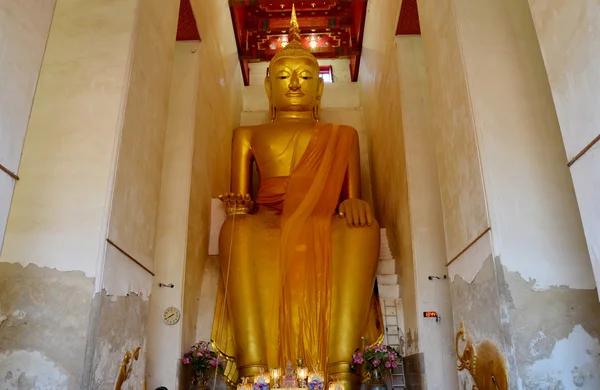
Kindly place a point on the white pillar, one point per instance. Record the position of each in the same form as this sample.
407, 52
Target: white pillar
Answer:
501, 166
24, 27
98, 119
426, 228
568, 36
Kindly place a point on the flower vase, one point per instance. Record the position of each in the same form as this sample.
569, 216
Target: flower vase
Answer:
200, 382
376, 382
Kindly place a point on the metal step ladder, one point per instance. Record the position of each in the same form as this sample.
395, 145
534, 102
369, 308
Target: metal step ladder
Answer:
394, 337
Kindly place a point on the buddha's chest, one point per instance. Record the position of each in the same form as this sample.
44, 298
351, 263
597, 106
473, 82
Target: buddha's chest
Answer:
278, 150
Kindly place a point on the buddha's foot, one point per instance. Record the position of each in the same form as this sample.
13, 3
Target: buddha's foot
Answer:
349, 381
343, 373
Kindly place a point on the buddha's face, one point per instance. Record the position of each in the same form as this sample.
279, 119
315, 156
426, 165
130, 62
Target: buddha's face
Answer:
294, 84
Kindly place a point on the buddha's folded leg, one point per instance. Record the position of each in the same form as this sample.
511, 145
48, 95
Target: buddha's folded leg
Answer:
246, 247
355, 254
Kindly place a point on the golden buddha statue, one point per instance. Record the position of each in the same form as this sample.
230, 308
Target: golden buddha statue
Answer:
299, 267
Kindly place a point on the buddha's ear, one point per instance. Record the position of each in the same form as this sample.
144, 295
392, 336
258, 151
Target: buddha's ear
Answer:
320, 86
268, 86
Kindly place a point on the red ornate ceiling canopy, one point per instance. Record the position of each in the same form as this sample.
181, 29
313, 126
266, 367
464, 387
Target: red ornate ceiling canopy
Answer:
186, 27
330, 28
408, 22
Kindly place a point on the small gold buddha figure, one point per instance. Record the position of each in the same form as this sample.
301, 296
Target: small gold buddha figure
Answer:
300, 257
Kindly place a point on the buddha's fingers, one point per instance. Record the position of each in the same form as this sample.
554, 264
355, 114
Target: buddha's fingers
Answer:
369, 213
362, 209
355, 213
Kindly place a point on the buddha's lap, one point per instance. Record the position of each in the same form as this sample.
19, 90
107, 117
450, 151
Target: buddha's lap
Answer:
256, 237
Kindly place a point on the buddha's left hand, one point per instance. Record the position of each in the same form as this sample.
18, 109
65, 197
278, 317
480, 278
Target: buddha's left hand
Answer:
357, 212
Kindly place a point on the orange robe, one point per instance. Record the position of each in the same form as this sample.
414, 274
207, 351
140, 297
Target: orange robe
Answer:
308, 199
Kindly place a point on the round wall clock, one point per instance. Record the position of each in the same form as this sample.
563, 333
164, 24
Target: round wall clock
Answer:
171, 315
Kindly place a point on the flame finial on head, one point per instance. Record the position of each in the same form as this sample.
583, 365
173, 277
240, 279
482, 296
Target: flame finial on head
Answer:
294, 32
294, 47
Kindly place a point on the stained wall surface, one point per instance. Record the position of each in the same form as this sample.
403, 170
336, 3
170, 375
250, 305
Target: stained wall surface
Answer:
55, 231
568, 37
536, 235
122, 308
217, 112
70, 139
24, 27
171, 233
426, 220
381, 100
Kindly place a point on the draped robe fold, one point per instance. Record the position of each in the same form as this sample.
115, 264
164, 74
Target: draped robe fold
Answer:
310, 196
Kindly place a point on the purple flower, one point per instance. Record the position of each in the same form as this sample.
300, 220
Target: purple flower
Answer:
376, 362
186, 361
357, 358
388, 364
394, 364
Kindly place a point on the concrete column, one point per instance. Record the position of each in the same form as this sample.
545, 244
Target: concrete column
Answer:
24, 27
425, 211
164, 350
513, 232
568, 36
98, 119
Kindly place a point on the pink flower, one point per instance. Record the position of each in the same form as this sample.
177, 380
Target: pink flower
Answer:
357, 358
394, 364
388, 364
186, 361
376, 362
198, 354
213, 363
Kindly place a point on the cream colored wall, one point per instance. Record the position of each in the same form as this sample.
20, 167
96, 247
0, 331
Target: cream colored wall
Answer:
381, 101
485, 66
172, 225
568, 36
425, 209
340, 104
24, 27
59, 209
138, 173
217, 111
521, 147
461, 183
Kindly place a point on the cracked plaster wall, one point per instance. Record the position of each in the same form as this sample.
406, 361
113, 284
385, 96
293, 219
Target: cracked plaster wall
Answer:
43, 326
54, 240
60, 215
485, 67
119, 325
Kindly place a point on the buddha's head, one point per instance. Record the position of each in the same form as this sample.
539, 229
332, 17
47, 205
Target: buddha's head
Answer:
293, 84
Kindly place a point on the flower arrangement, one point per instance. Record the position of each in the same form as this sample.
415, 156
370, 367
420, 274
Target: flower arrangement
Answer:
315, 384
260, 384
202, 361
377, 357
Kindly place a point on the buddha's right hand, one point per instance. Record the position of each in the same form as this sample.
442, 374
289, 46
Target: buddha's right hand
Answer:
236, 204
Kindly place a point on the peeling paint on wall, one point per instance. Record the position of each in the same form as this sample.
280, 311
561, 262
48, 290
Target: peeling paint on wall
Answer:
120, 325
556, 335
573, 363
25, 370
43, 326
